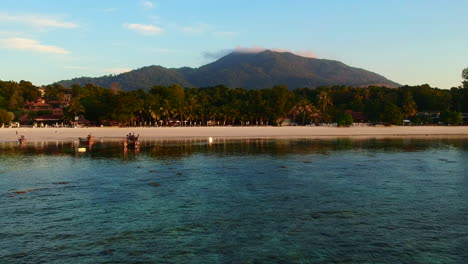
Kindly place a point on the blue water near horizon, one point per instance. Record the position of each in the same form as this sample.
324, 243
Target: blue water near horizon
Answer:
236, 201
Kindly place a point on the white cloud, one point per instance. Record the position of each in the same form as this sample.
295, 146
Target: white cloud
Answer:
39, 21
148, 4
31, 45
144, 29
117, 70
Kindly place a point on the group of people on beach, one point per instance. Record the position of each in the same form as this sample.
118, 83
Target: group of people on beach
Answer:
131, 136
131, 140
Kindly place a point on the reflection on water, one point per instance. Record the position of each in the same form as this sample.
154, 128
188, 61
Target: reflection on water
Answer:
163, 148
235, 201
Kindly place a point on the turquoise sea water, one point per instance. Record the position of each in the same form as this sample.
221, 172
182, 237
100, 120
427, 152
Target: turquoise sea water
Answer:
236, 201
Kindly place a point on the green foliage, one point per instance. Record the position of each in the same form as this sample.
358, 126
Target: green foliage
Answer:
392, 114
279, 103
451, 118
18, 113
421, 120
29, 92
304, 112
430, 99
324, 101
3, 102
465, 78
465, 74
54, 92
6, 117
409, 106
222, 105
13, 95
344, 120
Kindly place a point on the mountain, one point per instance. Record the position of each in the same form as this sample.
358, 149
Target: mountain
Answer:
247, 70
143, 78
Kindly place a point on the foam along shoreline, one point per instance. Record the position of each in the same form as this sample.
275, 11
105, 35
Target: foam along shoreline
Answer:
113, 133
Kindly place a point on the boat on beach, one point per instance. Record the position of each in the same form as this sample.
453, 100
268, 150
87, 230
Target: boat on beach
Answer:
86, 140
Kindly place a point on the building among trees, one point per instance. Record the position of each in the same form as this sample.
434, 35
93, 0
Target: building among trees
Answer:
41, 113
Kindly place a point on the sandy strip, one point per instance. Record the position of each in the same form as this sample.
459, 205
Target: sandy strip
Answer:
111, 133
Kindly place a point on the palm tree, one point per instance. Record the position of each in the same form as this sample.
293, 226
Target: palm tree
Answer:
140, 109
324, 101
73, 110
203, 109
155, 114
166, 110
304, 109
224, 113
191, 107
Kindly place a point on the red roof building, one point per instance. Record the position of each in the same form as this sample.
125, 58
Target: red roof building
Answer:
37, 106
50, 114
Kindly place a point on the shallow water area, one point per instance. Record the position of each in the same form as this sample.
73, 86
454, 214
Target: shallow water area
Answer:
341, 200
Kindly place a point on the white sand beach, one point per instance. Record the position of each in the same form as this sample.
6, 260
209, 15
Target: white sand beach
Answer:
114, 133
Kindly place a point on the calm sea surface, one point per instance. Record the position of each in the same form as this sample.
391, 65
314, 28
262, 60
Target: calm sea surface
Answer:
236, 201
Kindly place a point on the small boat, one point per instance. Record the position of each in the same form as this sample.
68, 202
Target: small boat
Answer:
84, 140
87, 140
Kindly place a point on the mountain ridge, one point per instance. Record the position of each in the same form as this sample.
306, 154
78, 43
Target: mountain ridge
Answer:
245, 70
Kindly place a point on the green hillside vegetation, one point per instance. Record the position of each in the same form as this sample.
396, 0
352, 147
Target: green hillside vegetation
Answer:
245, 70
220, 105
142, 78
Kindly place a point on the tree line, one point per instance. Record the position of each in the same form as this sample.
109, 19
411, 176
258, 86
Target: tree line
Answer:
220, 105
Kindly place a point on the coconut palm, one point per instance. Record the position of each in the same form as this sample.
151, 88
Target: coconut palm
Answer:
191, 108
324, 101
73, 109
166, 110
305, 110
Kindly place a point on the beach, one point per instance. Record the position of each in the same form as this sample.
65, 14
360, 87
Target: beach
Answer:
115, 133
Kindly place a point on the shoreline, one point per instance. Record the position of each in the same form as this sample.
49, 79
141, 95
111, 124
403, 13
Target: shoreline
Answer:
175, 133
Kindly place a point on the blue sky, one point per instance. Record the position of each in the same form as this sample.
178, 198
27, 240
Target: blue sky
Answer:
410, 42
